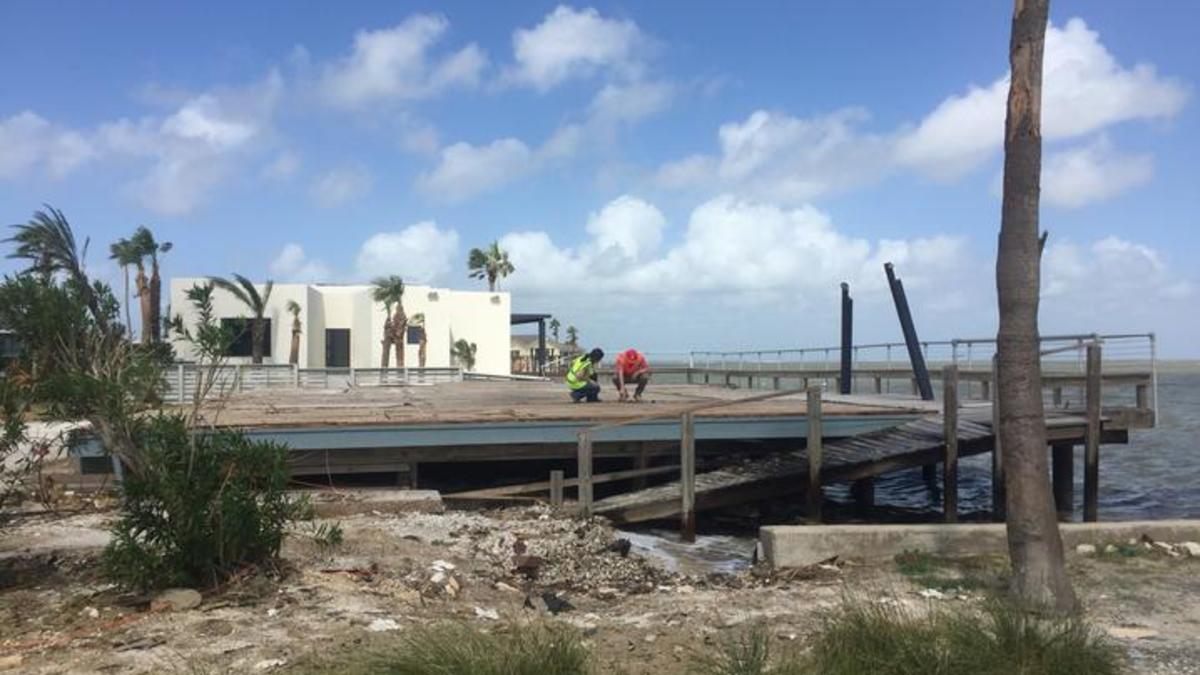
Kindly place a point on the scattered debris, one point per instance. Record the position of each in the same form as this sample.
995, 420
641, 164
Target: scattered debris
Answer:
621, 547
176, 600
1131, 632
555, 604
487, 613
383, 625
269, 664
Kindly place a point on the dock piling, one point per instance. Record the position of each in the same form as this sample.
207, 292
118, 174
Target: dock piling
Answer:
814, 492
584, 472
556, 488
687, 477
950, 461
1091, 455
1062, 457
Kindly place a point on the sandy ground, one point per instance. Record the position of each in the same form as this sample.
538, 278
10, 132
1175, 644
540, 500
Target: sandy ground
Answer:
57, 615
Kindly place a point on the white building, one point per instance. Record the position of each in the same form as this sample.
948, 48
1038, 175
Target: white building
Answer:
342, 326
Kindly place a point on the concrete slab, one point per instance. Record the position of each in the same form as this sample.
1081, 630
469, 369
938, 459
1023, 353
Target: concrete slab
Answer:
800, 545
339, 503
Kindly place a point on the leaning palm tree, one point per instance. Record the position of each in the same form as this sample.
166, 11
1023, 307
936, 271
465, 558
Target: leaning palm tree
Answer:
247, 293
554, 326
490, 263
151, 289
49, 244
390, 292
418, 322
125, 253
573, 336
463, 353
294, 355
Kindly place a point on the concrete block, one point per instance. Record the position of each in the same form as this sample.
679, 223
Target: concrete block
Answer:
340, 503
801, 545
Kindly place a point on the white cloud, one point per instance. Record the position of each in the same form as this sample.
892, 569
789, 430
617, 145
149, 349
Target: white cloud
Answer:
1110, 273
731, 247
30, 143
420, 253
284, 166
197, 147
340, 185
1093, 172
630, 102
572, 43
1084, 89
465, 170
293, 265
776, 157
395, 64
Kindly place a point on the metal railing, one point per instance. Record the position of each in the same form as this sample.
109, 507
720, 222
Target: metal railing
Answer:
181, 380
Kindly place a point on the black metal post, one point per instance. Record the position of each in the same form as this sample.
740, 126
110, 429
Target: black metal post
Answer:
920, 372
847, 338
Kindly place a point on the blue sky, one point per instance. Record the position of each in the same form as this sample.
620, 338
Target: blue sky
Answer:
671, 175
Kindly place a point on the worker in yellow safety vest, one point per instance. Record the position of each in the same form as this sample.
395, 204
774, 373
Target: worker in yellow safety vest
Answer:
582, 379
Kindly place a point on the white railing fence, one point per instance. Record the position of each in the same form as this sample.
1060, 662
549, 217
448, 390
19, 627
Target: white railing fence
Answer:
181, 380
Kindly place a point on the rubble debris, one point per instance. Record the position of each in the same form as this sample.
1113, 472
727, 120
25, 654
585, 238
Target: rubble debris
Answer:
176, 600
555, 604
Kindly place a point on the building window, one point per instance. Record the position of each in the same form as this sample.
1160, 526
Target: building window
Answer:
414, 335
243, 336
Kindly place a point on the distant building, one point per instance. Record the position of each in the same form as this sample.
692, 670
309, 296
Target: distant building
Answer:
524, 353
342, 326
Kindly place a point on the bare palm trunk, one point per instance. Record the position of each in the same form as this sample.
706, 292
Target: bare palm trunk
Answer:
256, 337
155, 303
1039, 576
144, 303
399, 330
421, 349
386, 341
128, 312
294, 355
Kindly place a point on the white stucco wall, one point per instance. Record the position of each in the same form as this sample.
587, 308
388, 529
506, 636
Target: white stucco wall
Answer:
477, 316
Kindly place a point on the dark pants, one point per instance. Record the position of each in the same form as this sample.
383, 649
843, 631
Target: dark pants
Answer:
589, 391
641, 381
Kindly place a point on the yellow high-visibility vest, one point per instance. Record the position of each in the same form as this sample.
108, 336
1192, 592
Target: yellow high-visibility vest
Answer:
581, 371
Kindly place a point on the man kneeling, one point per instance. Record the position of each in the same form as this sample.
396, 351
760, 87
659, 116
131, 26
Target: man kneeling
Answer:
582, 379
631, 368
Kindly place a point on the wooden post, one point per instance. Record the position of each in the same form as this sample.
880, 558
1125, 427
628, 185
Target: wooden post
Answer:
687, 477
1143, 397
584, 473
814, 492
1062, 456
1091, 455
878, 384
775, 383
950, 459
998, 506
556, 488
985, 389
641, 460
1057, 397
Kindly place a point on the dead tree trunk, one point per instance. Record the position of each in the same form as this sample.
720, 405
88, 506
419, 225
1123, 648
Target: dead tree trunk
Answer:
1039, 577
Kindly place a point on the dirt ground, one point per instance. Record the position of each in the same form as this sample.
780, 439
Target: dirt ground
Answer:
392, 572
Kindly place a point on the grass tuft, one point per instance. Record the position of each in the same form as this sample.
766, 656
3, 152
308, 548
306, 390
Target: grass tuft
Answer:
745, 654
458, 649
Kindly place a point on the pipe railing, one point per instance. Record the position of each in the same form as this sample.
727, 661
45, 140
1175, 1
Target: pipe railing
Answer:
181, 380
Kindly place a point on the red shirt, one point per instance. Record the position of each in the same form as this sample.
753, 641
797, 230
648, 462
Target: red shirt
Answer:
630, 366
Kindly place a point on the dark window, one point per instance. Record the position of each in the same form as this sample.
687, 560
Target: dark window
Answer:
243, 336
414, 334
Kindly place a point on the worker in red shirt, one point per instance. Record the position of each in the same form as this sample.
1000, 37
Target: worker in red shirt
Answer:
631, 368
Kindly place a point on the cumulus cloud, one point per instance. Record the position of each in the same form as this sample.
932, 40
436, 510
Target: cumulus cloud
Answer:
31, 143
340, 185
1110, 273
571, 43
421, 253
465, 170
293, 265
730, 247
1084, 89
284, 166
776, 157
630, 102
196, 147
395, 64
1094, 172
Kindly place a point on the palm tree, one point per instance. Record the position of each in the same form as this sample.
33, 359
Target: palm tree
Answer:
294, 354
491, 264
246, 293
573, 337
418, 322
1040, 580
150, 290
49, 244
125, 253
554, 326
390, 291
464, 354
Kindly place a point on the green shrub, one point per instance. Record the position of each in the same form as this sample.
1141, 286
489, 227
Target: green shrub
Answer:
746, 654
1000, 640
197, 507
457, 649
